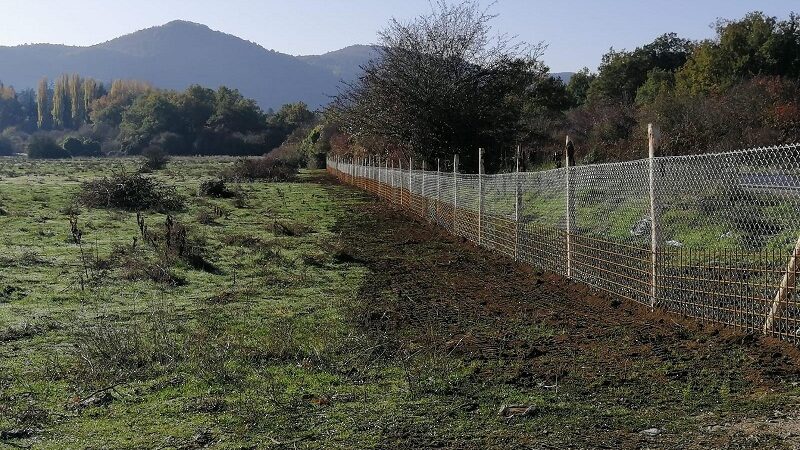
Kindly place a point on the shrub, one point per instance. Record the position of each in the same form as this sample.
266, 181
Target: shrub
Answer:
215, 188
129, 192
73, 145
43, 147
265, 168
6, 146
90, 147
171, 143
155, 158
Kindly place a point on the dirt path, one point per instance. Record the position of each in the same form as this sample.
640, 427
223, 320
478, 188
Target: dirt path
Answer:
592, 355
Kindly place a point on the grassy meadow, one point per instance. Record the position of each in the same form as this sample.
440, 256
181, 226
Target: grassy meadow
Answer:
304, 315
98, 351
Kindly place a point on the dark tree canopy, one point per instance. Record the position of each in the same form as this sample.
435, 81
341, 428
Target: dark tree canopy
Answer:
442, 84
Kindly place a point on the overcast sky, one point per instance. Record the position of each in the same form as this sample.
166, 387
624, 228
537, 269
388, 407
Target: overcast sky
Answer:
577, 32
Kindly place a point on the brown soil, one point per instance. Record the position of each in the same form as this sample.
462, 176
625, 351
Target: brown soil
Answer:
430, 292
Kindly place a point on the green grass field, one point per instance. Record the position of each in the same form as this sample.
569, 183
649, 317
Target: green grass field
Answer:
299, 334
222, 354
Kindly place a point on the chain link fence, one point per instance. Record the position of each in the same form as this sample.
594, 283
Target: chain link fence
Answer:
713, 236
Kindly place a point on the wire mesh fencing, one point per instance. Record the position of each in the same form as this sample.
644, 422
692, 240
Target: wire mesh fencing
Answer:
714, 237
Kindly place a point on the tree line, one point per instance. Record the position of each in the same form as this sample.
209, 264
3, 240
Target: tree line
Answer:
80, 116
446, 83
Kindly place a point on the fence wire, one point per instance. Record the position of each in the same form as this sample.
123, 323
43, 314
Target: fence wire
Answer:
712, 236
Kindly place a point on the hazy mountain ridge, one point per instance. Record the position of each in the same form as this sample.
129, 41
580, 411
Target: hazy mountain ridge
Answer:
175, 56
181, 53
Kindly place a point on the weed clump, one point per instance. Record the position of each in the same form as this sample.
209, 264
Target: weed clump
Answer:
131, 192
288, 228
110, 351
265, 168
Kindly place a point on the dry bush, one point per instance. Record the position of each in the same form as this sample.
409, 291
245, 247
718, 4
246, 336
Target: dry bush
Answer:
215, 188
109, 351
156, 271
265, 168
131, 192
176, 242
155, 158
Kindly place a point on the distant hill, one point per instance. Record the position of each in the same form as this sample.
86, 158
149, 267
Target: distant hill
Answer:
176, 55
563, 76
180, 53
345, 63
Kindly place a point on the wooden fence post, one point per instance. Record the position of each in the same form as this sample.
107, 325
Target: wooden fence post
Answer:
391, 182
438, 187
455, 193
410, 180
480, 196
653, 136
568, 153
788, 284
422, 193
516, 207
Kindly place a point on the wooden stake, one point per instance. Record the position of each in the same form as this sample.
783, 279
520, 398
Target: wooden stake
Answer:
788, 284
438, 187
455, 192
410, 172
422, 192
516, 207
480, 196
653, 136
568, 153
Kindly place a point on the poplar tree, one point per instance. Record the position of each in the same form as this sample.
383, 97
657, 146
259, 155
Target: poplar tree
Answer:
61, 102
44, 115
76, 100
90, 94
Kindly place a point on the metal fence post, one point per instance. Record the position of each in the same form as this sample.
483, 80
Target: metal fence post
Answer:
516, 207
455, 192
653, 136
480, 196
568, 151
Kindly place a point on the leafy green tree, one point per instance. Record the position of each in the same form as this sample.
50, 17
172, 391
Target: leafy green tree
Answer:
621, 73
755, 45
441, 85
43, 147
578, 85
197, 104
235, 113
6, 146
81, 147
544, 106
149, 115
76, 100
61, 103
73, 145
658, 82
10, 109
44, 111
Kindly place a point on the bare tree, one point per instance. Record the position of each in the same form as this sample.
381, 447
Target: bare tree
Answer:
443, 83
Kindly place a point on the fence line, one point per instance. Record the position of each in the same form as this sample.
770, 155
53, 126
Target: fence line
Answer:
713, 236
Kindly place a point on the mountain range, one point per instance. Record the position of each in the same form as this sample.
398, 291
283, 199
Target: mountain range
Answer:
181, 53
